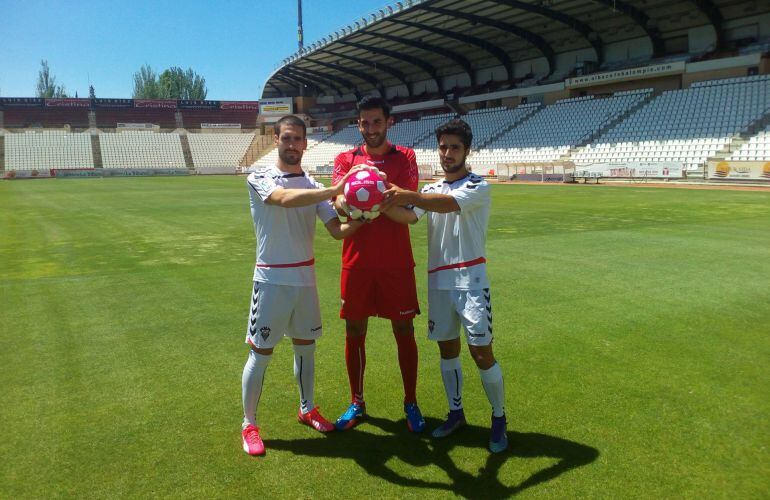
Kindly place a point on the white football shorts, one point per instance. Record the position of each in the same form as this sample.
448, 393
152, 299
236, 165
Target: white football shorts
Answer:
448, 309
282, 310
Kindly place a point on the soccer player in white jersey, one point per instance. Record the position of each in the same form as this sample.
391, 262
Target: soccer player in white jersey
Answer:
457, 208
284, 301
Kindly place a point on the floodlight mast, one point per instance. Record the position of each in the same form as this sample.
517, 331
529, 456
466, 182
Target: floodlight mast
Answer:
300, 41
299, 25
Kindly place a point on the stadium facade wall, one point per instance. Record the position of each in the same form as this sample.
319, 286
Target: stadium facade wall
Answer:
717, 74
635, 48
397, 91
748, 27
701, 39
424, 86
568, 60
716, 69
670, 82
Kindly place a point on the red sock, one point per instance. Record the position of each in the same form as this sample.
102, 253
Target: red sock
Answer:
355, 360
407, 361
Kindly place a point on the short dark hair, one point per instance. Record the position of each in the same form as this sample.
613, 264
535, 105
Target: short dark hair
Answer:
374, 102
456, 127
290, 120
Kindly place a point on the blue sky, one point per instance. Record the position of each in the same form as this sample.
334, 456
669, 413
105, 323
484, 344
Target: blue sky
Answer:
235, 45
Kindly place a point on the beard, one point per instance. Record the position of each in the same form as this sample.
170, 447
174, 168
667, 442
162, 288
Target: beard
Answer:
376, 141
448, 169
290, 157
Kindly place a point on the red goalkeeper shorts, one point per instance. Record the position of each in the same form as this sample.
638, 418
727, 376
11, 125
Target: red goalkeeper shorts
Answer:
387, 293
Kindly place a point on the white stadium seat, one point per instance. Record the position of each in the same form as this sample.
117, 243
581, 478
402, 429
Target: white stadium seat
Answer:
218, 150
49, 149
141, 149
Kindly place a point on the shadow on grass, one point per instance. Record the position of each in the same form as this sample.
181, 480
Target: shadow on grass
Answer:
372, 452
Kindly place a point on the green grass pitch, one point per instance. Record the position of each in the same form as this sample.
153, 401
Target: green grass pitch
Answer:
632, 325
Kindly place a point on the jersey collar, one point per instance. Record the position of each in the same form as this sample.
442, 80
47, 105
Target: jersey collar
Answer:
286, 175
457, 180
361, 151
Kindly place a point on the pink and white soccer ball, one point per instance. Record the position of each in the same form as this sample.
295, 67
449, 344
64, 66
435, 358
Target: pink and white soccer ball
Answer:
364, 190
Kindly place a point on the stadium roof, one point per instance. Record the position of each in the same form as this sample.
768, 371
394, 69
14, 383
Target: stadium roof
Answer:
426, 40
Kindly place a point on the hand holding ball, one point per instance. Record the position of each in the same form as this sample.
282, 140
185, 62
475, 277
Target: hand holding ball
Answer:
363, 191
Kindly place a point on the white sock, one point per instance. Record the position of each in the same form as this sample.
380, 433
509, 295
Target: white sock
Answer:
304, 372
452, 375
492, 380
251, 385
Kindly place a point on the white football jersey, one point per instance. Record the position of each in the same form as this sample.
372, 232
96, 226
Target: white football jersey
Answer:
284, 235
457, 240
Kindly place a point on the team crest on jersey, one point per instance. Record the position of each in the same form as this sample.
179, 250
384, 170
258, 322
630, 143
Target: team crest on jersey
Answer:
264, 332
431, 325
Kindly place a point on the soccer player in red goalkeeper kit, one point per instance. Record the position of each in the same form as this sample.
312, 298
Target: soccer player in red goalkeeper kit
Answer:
377, 276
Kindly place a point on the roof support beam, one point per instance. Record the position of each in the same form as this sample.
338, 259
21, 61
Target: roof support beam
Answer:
360, 74
288, 81
281, 92
330, 78
535, 40
497, 52
414, 61
377, 66
641, 19
296, 82
576, 24
441, 51
299, 76
715, 17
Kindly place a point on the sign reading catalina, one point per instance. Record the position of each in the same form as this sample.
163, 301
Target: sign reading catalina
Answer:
68, 103
152, 103
240, 105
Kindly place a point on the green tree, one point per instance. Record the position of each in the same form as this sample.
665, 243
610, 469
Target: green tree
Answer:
176, 83
91, 92
146, 83
46, 83
173, 83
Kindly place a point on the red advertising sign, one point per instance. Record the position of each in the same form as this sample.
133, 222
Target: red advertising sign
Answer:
68, 103
153, 103
240, 105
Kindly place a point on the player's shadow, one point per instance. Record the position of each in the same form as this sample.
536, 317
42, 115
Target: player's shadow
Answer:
372, 452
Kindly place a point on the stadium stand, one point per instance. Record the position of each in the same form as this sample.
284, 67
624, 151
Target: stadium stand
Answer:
218, 150
686, 126
410, 132
756, 149
486, 124
48, 150
551, 132
192, 118
142, 149
109, 118
322, 150
45, 117
312, 159
320, 154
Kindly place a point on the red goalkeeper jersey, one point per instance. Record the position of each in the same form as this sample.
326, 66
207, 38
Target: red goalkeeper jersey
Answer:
381, 244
